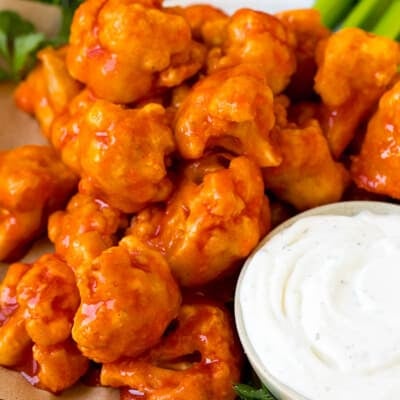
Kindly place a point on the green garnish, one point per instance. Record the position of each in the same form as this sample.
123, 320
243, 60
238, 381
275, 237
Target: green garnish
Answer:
20, 41
247, 392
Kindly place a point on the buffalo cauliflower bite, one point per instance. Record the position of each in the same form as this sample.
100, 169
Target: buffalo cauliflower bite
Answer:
49, 297
199, 360
86, 228
260, 39
206, 22
123, 155
309, 30
14, 339
128, 298
58, 366
308, 176
232, 109
123, 50
48, 89
214, 219
34, 184
66, 127
377, 167
354, 69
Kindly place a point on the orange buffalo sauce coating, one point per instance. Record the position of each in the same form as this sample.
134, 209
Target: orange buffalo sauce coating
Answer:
214, 219
34, 183
122, 50
232, 109
308, 176
86, 228
206, 22
178, 119
49, 297
128, 298
14, 339
377, 167
48, 89
37, 303
259, 39
66, 127
123, 154
307, 26
199, 359
354, 69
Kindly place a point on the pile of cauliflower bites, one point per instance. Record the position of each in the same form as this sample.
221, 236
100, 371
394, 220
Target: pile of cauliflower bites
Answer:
177, 138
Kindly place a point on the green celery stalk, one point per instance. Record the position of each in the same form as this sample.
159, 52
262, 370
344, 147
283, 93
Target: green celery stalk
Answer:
389, 24
366, 14
333, 12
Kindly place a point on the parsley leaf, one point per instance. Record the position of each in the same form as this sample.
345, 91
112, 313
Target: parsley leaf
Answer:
247, 392
19, 42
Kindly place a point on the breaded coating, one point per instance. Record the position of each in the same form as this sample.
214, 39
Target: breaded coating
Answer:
59, 366
207, 23
199, 360
232, 109
48, 89
354, 69
308, 176
260, 39
124, 50
64, 132
377, 167
214, 219
14, 339
34, 183
49, 297
123, 155
86, 228
128, 298
309, 30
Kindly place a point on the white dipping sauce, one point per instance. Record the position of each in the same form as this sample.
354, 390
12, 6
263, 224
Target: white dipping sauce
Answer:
320, 304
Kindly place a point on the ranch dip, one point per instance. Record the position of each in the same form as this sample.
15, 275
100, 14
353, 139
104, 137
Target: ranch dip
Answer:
320, 304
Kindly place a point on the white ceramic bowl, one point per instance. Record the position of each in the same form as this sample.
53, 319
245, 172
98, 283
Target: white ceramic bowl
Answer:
350, 208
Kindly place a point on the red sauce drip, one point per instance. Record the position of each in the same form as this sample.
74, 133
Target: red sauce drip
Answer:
29, 368
131, 394
8, 306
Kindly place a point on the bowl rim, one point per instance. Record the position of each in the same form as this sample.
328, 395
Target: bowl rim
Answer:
343, 208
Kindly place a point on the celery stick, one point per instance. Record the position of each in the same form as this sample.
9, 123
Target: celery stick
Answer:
389, 24
366, 14
332, 12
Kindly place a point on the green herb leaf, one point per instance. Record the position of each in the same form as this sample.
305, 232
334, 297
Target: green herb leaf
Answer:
24, 52
12, 26
19, 41
247, 392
